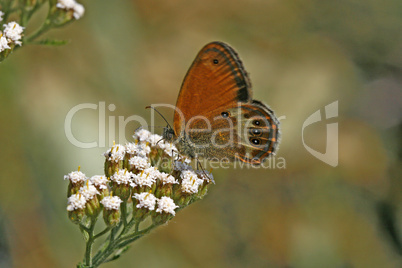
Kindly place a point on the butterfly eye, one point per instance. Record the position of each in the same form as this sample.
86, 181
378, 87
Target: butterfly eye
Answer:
255, 141
215, 61
225, 114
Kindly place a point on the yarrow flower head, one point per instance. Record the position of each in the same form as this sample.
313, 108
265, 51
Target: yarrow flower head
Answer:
141, 134
76, 201
147, 177
140, 149
111, 202
169, 149
116, 153
77, 8
13, 31
166, 178
99, 181
190, 182
88, 191
145, 200
139, 163
122, 176
76, 177
1, 16
3, 43
166, 205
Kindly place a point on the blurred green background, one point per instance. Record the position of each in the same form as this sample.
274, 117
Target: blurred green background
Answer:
301, 56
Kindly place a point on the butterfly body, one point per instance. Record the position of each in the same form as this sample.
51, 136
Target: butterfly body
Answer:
215, 116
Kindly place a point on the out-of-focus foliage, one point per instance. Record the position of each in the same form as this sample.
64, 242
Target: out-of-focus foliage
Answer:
301, 56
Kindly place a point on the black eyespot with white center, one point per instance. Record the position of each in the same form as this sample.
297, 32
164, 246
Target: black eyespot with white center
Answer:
255, 141
257, 122
215, 61
225, 114
255, 132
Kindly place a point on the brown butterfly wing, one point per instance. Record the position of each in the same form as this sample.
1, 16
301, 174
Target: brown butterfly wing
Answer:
216, 79
250, 133
260, 136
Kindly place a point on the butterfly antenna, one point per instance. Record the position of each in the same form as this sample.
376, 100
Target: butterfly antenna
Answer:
159, 114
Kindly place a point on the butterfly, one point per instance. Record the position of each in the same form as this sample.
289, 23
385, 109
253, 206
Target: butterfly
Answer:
215, 116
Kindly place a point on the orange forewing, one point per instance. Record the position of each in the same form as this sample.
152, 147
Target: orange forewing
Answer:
216, 79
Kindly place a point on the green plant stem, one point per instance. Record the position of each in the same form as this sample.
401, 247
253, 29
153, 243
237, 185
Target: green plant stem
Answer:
46, 26
124, 213
90, 242
120, 242
102, 233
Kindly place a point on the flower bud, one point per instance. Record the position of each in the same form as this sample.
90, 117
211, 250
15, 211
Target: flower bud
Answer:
120, 184
76, 208
111, 210
77, 180
89, 192
142, 204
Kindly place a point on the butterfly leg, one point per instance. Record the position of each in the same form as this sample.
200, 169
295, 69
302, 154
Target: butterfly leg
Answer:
203, 170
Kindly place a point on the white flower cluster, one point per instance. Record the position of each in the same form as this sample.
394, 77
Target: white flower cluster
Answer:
85, 193
116, 153
88, 191
76, 201
190, 182
12, 34
77, 8
149, 201
122, 176
155, 140
75, 177
111, 202
99, 181
132, 165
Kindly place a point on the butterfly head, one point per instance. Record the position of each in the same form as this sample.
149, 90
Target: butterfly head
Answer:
168, 134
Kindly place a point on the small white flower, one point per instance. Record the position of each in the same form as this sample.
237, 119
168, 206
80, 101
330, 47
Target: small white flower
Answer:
154, 139
181, 166
1, 15
167, 205
166, 178
3, 43
88, 191
111, 202
99, 181
145, 200
75, 177
76, 201
169, 149
122, 176
140, 149
190, 182
146, 178
13, 31
116, 153
65, 4
140, 163
71, 5
142, 134
79, 11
